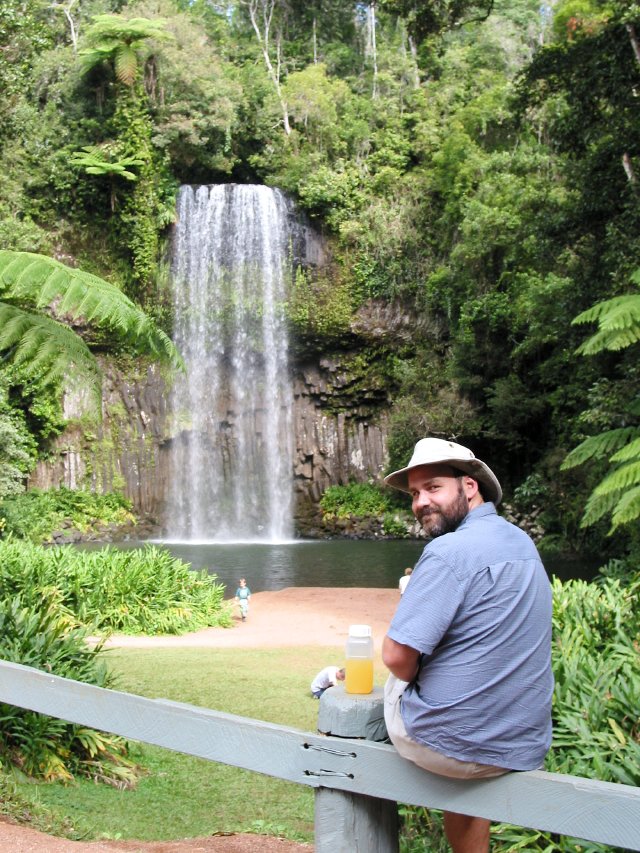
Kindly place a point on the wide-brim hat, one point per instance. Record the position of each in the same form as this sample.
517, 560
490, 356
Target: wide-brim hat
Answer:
437, 451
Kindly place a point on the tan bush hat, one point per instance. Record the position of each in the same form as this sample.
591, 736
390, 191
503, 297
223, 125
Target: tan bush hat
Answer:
437, 451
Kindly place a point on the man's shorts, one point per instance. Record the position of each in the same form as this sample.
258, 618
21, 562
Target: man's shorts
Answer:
420, 754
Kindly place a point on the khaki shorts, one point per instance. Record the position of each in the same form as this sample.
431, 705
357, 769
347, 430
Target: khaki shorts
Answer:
420, 754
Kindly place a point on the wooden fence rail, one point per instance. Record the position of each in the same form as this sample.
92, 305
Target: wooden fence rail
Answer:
582, 808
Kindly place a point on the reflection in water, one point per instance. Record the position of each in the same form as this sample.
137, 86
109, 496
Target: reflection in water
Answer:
334, 563
326, 563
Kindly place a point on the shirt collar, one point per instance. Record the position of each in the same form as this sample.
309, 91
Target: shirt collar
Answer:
485, 509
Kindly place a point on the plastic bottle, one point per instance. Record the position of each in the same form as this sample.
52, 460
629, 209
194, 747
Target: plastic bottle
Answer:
359, 660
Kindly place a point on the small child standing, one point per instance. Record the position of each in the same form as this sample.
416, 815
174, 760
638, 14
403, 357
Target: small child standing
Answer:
243, 596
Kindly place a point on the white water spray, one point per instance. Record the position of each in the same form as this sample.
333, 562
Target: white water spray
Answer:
231, 452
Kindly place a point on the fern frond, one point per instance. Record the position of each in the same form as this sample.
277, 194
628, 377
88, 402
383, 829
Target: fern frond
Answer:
30, 279
88, 58
620, 479
609, 339
619, 324
599, 446
597, 507
610, 313
630, 451
627, 509
126, 64
49, 348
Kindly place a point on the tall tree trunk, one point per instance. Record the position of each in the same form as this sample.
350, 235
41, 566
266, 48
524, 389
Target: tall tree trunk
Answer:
413, 50
628, 168
371, 20
634, 41
626, 160
73, 31
315, 41
263, 36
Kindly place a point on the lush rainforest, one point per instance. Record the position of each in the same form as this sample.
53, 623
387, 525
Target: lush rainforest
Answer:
476, 160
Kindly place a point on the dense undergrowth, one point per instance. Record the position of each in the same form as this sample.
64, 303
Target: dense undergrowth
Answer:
51, 601
366, 501
36, 514
132, 591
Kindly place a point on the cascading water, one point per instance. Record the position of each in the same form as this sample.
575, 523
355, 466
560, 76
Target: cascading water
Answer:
231, 456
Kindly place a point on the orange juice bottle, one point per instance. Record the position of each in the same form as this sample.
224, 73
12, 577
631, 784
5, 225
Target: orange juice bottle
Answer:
359, 660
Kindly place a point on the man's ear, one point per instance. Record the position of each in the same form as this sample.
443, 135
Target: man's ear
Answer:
471, 488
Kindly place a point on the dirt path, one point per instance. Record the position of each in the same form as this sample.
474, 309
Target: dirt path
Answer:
297, 616
290, 617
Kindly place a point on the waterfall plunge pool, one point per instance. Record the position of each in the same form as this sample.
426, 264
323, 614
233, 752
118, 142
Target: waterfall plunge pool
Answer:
326, 563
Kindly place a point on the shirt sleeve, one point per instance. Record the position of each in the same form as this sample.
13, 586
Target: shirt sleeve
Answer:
428, 606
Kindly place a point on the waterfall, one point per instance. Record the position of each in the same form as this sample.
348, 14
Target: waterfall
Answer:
231, 451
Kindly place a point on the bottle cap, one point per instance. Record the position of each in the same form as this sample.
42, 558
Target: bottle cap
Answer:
359, 631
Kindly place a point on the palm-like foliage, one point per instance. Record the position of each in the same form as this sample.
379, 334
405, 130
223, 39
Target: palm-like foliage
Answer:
30, 335
116, 39
618, 494
103, 161
96, 160
619, 322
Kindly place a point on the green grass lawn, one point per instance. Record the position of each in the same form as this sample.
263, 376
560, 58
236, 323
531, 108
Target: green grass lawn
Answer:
180, 796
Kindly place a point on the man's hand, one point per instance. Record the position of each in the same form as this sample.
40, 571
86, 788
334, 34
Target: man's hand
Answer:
399, 659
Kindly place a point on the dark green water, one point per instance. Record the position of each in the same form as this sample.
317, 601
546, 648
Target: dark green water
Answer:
328, 563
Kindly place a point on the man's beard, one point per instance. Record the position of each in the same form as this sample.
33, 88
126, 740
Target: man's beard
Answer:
438, 521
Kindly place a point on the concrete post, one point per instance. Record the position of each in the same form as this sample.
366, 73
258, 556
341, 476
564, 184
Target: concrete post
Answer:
345, 822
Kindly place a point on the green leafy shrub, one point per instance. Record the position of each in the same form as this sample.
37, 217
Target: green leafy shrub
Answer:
45, 637
133, 591
397, 524
36, 514
357, 499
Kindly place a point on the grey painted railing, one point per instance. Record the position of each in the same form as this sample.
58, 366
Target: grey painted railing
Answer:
357, 781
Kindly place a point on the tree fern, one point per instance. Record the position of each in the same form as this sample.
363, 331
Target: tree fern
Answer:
619, 324
619, 479
630, 452
627, 509
31, 283
599, 446
44, 345
618, 494
96, 160
117, 39
598, 506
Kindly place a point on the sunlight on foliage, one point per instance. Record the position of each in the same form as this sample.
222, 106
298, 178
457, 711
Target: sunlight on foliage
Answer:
32, 286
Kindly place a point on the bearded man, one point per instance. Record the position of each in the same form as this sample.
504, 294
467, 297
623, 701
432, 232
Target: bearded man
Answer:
469, 646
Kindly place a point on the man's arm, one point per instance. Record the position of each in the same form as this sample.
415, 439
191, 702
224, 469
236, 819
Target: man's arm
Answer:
401, 660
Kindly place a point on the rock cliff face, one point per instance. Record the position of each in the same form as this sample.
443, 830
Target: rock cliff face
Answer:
125, 449
340, 433
339, 423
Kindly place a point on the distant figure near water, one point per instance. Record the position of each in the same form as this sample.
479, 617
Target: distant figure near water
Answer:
404, 580
243, 596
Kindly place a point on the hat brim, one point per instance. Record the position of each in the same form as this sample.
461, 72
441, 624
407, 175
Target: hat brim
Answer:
489, 484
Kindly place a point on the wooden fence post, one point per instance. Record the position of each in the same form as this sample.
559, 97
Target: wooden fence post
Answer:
345, 822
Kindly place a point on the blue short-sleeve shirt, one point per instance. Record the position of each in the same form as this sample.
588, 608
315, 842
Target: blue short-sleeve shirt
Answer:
478, 609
